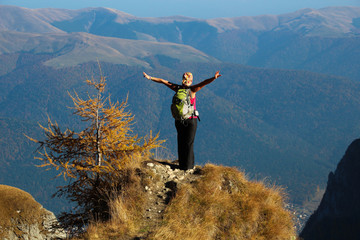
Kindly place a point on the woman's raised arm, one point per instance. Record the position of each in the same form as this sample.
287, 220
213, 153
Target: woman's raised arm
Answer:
160, 80
202, 84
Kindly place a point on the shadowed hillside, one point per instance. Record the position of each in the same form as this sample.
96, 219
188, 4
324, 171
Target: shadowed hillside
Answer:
337, 217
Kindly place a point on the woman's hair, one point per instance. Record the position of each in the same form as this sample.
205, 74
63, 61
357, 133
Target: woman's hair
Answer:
186, 76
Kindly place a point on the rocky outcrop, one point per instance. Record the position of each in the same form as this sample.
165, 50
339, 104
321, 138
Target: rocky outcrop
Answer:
210, 202
24, 218
36, 231
338, 215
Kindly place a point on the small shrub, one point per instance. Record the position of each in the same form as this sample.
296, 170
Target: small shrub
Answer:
96, 159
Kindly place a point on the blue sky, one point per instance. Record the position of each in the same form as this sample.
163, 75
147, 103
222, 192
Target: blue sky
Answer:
190, 8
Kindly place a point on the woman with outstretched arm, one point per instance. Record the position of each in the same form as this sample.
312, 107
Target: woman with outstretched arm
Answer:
186, 129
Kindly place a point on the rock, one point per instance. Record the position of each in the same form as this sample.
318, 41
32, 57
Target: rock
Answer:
164, 184
24, 218
150, 165
337, 216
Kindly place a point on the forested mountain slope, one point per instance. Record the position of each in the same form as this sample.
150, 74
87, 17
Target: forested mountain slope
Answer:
286, 125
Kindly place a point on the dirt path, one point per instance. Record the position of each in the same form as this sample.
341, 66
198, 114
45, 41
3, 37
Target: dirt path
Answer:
165, 180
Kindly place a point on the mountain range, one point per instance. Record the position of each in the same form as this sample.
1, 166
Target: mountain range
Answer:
285, 108
308, 39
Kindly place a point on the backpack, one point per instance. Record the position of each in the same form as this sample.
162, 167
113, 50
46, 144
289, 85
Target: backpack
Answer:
181, 107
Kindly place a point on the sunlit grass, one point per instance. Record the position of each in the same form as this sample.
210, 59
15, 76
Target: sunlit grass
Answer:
224, 205
17, 207
221, 204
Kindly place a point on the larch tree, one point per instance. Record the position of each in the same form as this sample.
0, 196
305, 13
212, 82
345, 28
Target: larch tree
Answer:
94, 160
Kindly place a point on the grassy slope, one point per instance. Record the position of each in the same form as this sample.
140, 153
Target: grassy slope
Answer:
77, 48
220, 204
17, 204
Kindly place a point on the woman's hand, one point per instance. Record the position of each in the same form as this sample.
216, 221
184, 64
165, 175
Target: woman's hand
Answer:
217, 74
146, 76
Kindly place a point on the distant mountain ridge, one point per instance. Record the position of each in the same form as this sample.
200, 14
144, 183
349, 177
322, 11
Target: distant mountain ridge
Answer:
26, 30
338, 20
76, 48
324, 40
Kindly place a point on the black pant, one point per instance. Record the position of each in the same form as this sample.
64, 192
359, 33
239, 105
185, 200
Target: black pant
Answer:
186, 135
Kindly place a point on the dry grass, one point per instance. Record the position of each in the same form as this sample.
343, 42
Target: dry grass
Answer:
125, 223
126, 210
221, 204
224, 205
17, 206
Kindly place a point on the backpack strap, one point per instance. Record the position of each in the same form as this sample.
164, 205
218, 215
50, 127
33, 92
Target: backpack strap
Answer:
177, 86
